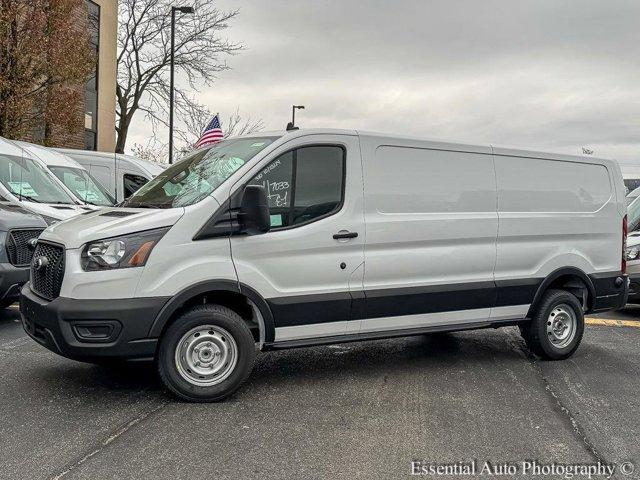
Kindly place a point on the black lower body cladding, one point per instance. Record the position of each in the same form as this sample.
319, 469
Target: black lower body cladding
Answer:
11, 280
128, 329
92, 330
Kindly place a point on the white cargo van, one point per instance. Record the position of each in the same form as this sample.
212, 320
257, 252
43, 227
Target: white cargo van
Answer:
76, 179
25, 179
131, 172
631, 176
324, 236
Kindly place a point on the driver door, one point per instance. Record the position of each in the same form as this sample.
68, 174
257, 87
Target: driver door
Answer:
312, 260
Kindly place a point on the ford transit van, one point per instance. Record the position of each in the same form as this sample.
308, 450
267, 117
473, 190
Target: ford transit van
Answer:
75, 178
120, 174
25, 180
324, 236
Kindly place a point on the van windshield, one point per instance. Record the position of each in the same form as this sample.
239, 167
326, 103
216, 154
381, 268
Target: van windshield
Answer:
198, 175
85, 187
27, 180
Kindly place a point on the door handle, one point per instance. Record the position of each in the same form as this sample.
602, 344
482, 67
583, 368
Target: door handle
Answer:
344, 234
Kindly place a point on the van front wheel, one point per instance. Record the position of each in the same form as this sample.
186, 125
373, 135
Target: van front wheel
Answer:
206, 354
556, 329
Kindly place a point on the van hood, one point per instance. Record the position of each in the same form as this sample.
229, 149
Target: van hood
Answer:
57, 211
15, 216
109, 222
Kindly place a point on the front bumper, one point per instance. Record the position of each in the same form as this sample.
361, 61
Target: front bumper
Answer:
92, 330
11, 279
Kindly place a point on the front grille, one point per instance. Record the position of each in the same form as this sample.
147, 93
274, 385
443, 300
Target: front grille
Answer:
18, 249
47, 269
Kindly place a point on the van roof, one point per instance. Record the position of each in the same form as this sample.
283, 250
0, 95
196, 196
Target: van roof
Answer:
49, 156
443, 144
150, 167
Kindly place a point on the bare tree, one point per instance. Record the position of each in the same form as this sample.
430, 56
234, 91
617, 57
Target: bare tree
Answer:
154, 151
198, 116
144, 48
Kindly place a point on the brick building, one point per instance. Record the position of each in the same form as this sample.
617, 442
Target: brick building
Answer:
96, 131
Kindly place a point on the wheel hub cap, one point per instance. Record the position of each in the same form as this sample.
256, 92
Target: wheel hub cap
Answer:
561, 325
206, 355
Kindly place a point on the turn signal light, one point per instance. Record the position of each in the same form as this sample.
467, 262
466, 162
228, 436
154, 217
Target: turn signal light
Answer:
140, 257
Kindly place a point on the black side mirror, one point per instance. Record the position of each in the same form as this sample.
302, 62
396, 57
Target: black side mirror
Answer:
254, 211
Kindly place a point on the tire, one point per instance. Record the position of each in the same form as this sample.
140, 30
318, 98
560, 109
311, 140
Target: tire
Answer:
557, 326
206, 354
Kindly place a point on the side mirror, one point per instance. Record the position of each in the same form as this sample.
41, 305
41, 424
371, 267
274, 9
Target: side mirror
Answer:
254, 211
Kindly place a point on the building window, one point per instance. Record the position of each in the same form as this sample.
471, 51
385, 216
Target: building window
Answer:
91, 87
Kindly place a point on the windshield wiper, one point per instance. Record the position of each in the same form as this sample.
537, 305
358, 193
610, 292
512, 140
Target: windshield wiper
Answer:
29, 197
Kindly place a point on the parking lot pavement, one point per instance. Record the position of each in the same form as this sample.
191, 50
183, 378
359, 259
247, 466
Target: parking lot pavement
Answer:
355, 410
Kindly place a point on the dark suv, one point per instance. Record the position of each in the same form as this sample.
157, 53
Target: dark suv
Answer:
19, 228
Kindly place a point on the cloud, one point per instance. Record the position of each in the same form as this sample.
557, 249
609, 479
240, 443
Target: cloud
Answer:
541, 74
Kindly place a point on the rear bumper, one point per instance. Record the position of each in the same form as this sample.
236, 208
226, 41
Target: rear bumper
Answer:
11, 280
92, 330
611, 292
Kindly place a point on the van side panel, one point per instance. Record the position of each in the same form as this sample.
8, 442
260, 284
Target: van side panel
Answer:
431, 223
553, 214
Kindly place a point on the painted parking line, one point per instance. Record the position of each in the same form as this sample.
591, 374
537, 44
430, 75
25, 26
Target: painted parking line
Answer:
612, 323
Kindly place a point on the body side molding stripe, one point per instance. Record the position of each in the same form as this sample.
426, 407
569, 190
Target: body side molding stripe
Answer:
396, 323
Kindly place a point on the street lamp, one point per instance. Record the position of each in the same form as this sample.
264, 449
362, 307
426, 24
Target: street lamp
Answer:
292, 124
183, 10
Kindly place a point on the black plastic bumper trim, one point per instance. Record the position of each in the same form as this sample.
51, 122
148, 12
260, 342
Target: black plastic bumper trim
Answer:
54, 324
11, 280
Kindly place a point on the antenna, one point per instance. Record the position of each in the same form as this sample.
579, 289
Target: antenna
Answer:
21, 169
115, 176
115, 172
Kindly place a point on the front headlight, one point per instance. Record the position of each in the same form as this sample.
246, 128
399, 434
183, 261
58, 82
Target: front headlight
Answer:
632, 253
127, 251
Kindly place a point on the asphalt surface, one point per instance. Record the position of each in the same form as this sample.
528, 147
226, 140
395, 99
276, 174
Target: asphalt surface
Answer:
350, 411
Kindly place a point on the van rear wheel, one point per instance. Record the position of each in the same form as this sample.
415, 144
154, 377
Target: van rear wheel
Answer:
557, 326
206, 354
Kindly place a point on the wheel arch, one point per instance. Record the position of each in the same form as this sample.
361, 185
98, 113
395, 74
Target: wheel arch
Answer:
225, 289
567, 278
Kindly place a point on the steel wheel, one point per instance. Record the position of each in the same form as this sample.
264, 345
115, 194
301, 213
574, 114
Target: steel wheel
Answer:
561, 325
206, 355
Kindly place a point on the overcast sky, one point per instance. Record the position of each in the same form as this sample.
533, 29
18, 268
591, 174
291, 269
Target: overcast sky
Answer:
553, 75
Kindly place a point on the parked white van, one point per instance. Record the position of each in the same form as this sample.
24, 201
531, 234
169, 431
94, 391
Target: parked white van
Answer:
631, 176
76, 179
325, 236
24, 179
121, 181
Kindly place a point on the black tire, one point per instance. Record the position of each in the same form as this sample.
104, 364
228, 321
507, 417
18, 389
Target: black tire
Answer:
535, 333
223, 318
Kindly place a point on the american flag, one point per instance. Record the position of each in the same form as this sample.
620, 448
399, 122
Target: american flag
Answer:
212, 134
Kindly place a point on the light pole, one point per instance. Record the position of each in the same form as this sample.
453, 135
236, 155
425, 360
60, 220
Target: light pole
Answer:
292, 125
173, 41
